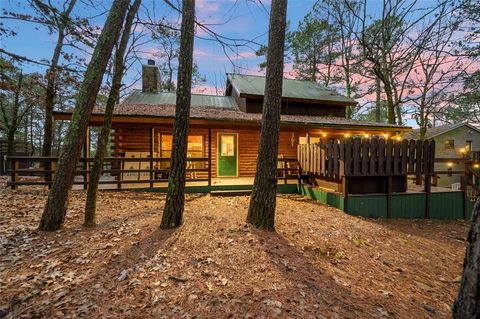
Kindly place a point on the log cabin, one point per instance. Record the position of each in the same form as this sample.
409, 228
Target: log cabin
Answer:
224, 130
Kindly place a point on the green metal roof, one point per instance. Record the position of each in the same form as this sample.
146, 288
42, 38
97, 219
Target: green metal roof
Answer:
169, 98
255, 85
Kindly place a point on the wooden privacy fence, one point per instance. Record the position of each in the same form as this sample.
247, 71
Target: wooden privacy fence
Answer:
36, 171
355, 157
371, 165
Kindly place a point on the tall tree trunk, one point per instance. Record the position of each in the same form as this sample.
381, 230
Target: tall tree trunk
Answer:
10, 142
119, 67
467, 303
390, 103
175, 201
378, 102
13, 125
398, 111
348, 86
261, 211
51, 81
56, 206
32, 144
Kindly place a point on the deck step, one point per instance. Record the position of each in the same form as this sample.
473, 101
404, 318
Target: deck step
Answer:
233, 192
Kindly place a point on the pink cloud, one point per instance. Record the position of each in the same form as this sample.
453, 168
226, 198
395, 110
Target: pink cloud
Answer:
208, 90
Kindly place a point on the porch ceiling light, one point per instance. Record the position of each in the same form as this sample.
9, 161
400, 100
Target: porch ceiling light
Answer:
449, 164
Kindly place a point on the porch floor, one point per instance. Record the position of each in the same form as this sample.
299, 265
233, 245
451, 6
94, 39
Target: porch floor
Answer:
217, 181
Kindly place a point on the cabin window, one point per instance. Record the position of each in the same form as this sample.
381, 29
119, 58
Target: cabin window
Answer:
227, 145
468, 146
165, 146
195, 147
450, 144
314, 139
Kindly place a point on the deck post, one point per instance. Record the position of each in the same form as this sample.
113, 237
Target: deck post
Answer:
14, 166
86, 159
151, 144
48, 175
209, 157
345, 193
428, 189
389, 197
463, 187
52, 166
429, 170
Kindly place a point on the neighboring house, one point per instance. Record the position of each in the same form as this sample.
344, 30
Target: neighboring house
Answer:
228, 127
451, 141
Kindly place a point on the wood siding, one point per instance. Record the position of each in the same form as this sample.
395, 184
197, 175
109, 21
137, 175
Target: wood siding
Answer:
129, 138
297, 108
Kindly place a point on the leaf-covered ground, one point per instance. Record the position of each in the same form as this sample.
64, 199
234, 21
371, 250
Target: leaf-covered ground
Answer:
321, 263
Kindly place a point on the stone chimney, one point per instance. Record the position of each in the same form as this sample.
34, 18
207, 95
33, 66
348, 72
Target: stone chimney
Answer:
150, 77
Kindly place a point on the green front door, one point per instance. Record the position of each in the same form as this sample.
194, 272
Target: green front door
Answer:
227, 154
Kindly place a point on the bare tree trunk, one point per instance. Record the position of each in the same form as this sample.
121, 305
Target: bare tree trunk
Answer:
95, 173
10, 142
56, 206
13, 125
51, 80
390, 104
261, 211
348, 86
398, 111
467, 304
378, 102
175, 201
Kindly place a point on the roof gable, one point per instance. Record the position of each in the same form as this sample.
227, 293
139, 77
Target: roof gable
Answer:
296, 89
439, 130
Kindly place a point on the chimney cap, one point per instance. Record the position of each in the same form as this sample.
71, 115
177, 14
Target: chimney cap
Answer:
150, 62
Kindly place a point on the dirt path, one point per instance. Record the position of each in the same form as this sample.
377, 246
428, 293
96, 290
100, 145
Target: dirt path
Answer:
321, 263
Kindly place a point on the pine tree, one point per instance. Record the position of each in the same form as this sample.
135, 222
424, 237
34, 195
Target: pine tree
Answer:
55, 209
175, 201
61, 23
467, 304
261, 212
119, 67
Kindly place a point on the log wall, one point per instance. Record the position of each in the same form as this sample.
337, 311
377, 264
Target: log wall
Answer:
130, 138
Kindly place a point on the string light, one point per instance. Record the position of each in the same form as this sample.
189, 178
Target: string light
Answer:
347, 135
324, 134
385, 136
398, 138
367, 135
463, 150
476, 166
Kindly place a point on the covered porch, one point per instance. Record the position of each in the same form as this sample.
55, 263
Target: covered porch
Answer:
221, 152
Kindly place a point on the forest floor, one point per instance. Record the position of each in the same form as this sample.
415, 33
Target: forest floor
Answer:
320, 263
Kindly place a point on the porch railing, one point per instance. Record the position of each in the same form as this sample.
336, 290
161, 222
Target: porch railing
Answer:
119, 170
367, 157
